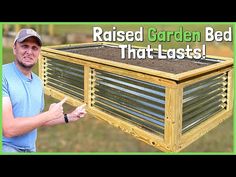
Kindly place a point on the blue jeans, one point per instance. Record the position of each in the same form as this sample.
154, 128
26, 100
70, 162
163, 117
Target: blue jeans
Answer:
7, 148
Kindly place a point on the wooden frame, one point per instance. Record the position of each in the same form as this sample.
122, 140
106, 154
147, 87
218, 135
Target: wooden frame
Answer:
173, 140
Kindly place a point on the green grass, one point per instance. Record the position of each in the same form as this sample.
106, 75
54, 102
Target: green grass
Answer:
92, 135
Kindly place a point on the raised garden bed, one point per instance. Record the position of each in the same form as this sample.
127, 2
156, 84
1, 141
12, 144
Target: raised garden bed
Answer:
166, 103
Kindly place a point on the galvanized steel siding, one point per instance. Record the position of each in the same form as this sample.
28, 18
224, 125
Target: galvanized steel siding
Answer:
139, 102
204, 99
66, 77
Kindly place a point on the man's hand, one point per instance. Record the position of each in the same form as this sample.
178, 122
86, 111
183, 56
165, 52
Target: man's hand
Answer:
56, 109
78, 113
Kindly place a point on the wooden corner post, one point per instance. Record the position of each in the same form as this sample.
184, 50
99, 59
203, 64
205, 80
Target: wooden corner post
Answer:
173, 117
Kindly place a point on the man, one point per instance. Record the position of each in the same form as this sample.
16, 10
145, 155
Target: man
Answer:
23, 97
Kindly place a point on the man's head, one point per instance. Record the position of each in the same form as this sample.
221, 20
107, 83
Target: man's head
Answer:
23, 34
27, 46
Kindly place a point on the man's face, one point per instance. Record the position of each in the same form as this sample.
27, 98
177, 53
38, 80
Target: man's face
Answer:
27, 52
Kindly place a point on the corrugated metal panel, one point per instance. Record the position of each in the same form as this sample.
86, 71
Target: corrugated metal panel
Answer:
66, 77
142, 103
204, 99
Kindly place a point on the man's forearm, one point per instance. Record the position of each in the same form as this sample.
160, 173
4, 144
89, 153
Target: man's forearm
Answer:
21, 125
60, 120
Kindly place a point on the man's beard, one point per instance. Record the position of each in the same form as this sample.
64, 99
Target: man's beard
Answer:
28, 67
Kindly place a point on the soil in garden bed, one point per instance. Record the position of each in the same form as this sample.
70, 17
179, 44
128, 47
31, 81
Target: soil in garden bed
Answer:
174, 66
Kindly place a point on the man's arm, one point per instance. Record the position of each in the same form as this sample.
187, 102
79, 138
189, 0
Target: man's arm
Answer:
20, 125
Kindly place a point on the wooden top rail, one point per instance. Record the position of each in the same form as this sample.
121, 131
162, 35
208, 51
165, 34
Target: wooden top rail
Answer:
226, 62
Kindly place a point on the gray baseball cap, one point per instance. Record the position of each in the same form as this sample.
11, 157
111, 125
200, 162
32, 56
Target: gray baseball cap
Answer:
26, 33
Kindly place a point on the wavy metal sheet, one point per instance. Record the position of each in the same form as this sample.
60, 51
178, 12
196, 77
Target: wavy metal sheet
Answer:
136, 101
204, 99
66, 77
